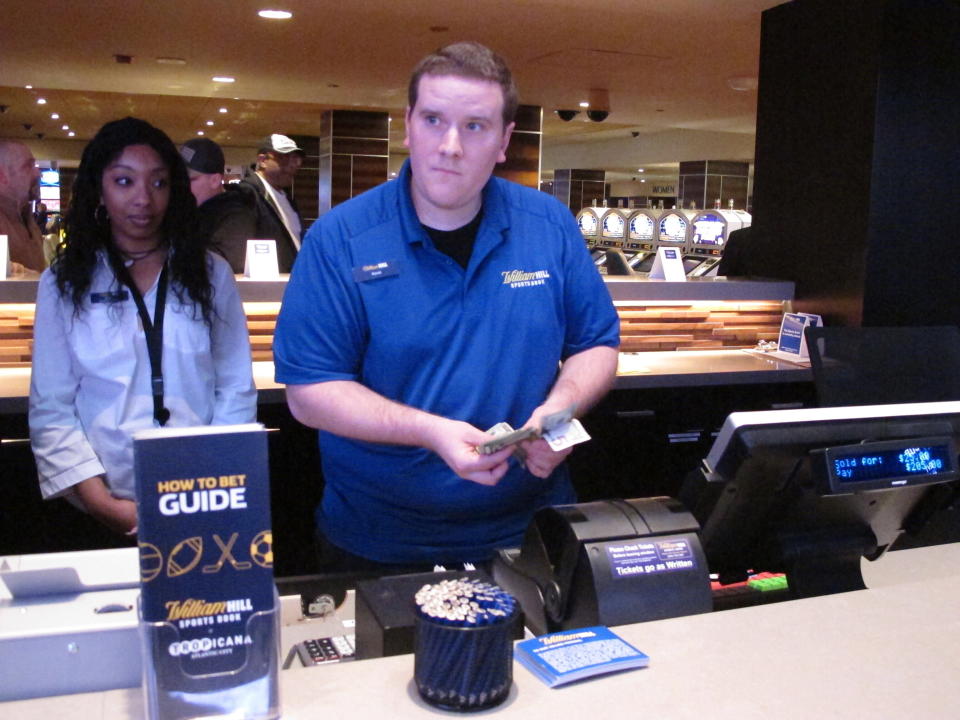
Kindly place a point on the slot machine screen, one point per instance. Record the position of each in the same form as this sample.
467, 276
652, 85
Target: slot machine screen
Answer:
588, 224
613, 225
641, 228
673, 229
708, 230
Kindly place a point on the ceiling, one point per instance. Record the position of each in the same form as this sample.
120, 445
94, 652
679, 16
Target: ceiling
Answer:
665, 63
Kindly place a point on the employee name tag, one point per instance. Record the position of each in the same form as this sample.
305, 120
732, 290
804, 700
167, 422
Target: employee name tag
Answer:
376, 271
109, 297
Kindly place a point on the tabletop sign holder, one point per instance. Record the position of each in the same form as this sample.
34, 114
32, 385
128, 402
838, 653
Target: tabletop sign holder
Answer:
792, 343
4, 258
668, 265
208, 609
261, 260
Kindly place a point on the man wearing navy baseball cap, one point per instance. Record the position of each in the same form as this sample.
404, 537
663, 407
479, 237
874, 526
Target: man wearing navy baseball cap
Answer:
227, 215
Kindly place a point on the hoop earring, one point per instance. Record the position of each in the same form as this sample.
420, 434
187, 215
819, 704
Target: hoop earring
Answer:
100, 215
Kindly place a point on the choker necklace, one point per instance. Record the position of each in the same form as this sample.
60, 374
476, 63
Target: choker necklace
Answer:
129, 258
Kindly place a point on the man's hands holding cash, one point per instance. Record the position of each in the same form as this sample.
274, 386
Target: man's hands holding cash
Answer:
542, 443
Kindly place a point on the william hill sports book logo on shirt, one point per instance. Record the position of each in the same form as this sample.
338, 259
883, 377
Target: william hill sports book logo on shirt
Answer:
521, 278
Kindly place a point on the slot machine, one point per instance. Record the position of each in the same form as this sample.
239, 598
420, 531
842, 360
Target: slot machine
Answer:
613, 225
641, 236
673, 230
709, 234
588, 220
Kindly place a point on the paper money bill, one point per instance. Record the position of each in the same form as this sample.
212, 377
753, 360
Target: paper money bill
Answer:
563, 436
504, 438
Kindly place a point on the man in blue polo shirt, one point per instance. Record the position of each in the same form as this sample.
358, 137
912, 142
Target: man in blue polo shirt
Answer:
429, 309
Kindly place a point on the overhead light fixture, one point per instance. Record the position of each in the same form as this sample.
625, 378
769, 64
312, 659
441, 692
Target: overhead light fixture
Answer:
223, 79
65, 127
223, 110
54, 116
171, 61
71, 134
640, 170
209, 123
29, 87
584, 104
275, 14
41, 101
199, 132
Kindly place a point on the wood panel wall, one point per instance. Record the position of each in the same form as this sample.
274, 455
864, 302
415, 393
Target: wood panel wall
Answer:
643, 327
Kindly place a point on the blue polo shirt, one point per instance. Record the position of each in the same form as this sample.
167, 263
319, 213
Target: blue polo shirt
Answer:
371, 300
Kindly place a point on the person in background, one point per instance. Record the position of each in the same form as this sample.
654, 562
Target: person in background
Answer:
130, 287
278, 159
227, 216
429, 309
19, 185
40, 215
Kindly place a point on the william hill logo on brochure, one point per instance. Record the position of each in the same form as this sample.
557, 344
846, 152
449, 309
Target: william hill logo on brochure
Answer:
206, 547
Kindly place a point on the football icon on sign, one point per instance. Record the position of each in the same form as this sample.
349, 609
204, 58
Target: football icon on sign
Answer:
185, 556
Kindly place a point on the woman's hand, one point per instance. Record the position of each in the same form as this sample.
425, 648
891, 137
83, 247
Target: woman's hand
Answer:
116, 513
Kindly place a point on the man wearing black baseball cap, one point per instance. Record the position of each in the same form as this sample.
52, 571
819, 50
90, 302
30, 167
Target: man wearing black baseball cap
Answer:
227, 214
278, 159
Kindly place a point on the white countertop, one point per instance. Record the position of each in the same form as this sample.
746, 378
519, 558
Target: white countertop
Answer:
888, 652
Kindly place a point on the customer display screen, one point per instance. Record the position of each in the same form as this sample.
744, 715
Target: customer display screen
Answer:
891, 464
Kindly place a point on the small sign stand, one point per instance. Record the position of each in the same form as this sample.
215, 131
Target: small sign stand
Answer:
261, 260
668, 265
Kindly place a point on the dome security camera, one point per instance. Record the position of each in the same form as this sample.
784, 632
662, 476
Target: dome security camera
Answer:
567, 115
598, 115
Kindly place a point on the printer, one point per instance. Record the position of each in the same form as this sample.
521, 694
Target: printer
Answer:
610, 562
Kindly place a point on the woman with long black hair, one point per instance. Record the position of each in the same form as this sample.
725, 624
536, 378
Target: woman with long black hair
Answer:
136, 325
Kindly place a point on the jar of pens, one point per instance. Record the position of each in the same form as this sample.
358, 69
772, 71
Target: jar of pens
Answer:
463, 649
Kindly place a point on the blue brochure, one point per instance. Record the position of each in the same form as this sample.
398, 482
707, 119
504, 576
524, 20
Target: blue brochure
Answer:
206, 553
570, 655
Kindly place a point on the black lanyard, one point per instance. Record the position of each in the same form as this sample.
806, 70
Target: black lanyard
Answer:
153, 330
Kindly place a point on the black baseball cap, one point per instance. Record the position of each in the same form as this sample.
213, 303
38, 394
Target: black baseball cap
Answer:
203, 155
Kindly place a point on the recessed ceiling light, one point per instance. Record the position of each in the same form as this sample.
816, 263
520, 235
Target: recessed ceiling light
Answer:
199, 132
584, 104
640, 170
209, 123
41, 101
223, 79
65, 127
54, 116
29, 87
642, 180
275, 14
223, 110
71, 134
